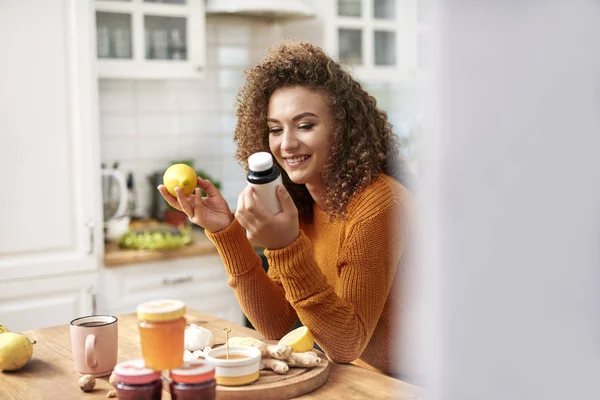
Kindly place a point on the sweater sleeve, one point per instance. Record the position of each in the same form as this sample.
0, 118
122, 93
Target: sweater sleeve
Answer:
261, 295
343, 318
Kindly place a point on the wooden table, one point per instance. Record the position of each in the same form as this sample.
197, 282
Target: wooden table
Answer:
50, 375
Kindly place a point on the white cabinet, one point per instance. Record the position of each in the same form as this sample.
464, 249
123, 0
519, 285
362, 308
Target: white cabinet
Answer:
49, 162
201, 282
375, 39
38, 303
138, 39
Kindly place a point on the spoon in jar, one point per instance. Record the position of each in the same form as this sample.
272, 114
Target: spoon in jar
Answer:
226, 330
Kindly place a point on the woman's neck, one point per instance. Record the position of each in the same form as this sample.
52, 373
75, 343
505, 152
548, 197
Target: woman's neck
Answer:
317, 192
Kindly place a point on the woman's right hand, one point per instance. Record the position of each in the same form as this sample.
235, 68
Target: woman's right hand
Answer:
210, 212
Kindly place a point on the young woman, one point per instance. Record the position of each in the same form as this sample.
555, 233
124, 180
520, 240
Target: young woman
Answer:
337, 250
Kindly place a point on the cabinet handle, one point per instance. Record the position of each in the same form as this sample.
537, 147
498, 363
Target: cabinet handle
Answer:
92, 292
176, 281
90, 225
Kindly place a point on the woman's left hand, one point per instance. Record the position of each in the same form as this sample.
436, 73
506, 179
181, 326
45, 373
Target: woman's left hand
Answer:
265, 229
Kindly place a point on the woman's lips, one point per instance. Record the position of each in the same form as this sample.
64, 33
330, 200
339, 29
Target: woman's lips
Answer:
295, 162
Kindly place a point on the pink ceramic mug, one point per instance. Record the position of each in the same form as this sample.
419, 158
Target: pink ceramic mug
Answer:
94, 342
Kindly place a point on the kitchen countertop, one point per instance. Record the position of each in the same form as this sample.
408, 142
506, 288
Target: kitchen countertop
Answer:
115, 256
50, 374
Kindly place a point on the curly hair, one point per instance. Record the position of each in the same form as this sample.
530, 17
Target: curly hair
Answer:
363, 144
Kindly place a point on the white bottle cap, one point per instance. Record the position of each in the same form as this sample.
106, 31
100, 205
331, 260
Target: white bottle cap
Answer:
260, 161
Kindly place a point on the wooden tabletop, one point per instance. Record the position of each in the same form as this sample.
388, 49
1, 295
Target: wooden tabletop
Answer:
50, 374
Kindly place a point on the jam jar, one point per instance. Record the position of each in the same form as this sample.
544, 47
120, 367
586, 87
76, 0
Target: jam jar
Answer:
195, 380
136, 382
162, 327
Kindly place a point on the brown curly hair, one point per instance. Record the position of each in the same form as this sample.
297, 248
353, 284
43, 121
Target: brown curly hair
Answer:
363, 144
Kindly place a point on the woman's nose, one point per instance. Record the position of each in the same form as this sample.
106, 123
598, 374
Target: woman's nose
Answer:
289, 140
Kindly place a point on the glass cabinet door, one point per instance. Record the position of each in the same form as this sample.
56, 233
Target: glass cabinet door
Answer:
350, 46
165, 38
113, 35
368, 33
150, 38
349, 8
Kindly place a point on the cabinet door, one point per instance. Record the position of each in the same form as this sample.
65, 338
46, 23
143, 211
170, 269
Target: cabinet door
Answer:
137, 39
43, 302
49, 165
201, 282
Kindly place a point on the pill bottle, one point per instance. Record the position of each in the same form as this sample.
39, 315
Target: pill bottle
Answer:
264, 177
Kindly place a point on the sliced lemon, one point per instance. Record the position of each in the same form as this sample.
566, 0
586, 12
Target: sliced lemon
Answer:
300, 340
245, 341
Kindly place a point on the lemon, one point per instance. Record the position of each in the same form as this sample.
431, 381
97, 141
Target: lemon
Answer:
3, 329
245, 341
300, 340
181, 175
15, 351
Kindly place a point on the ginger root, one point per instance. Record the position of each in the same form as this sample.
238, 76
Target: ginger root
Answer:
111, 393
277, 351
306, 359
278, 366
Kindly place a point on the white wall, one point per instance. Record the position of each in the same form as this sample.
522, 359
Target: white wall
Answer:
517, 278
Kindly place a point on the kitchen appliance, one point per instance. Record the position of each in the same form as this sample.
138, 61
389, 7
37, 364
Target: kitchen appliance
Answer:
115, 199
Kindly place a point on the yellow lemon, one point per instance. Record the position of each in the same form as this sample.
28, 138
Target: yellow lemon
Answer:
3, 329
181, 175
245, 341
300, 340
15, 351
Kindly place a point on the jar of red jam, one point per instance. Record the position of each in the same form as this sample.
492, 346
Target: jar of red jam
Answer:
162, 327
195, 380
136, 382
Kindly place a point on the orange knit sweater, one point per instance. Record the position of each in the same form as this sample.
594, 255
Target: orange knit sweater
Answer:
339, 278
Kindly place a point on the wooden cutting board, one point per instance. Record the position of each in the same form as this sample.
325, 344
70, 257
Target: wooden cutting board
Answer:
271, 386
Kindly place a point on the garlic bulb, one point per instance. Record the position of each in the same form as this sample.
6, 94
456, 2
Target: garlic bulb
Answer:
197, 338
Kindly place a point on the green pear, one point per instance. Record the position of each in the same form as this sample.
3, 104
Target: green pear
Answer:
15, 351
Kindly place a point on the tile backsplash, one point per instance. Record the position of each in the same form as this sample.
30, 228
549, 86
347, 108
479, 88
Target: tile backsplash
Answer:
146, 124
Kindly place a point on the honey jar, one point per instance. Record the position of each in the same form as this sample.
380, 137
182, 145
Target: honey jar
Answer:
195, 380
162, 326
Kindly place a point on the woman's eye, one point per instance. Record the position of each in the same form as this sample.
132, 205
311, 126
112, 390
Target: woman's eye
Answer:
275, 130
305, 127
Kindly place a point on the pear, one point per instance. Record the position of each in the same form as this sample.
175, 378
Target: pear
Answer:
15, 351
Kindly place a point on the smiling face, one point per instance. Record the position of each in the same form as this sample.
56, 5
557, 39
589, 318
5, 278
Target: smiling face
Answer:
300, 128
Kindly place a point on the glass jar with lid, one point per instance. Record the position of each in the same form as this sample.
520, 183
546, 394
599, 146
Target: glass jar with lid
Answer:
195, 380
162, 327
136, 382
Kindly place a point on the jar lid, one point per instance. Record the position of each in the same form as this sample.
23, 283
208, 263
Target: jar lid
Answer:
193, 372
161, 310
134, 372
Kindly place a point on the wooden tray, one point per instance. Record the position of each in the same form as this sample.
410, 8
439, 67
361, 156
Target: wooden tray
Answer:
271, 386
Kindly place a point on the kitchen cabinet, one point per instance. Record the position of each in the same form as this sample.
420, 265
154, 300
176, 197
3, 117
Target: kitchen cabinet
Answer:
49, 301
140, 39
375, 39
201, 282
49, 158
